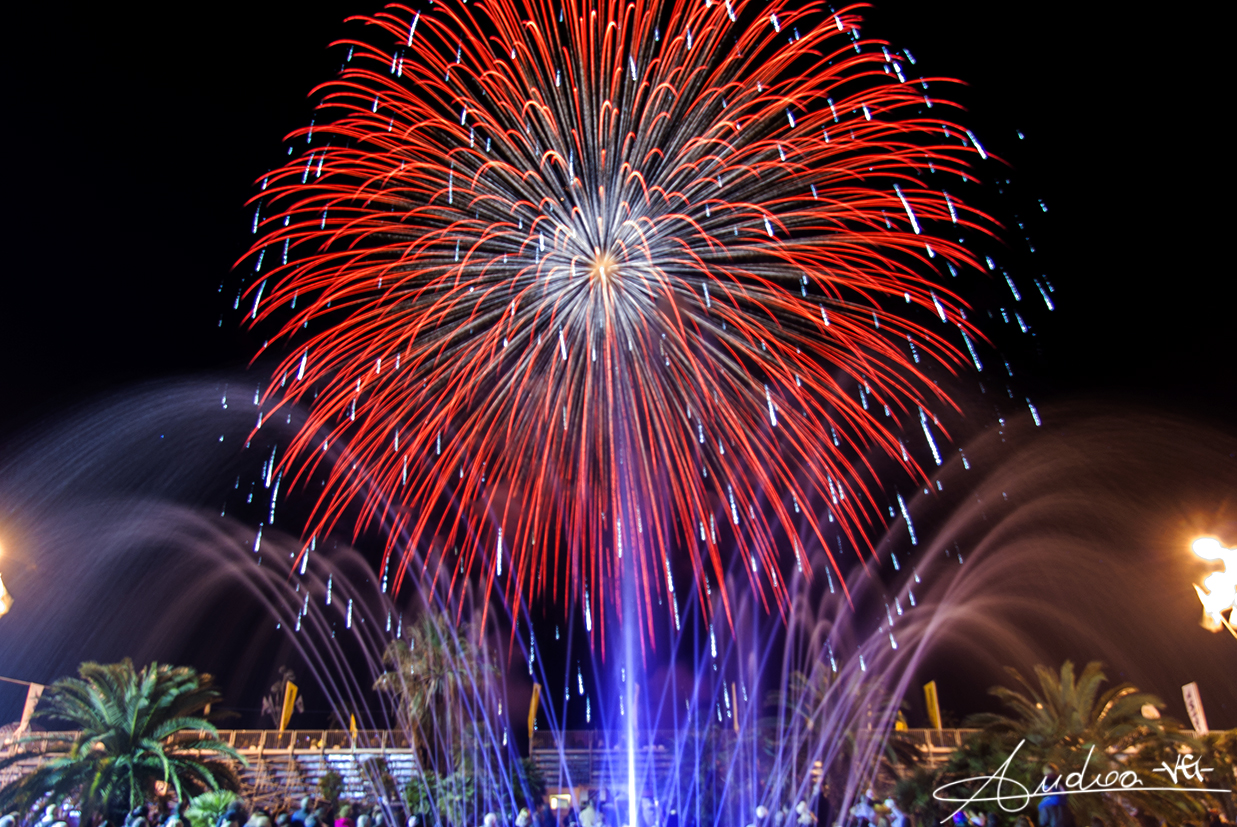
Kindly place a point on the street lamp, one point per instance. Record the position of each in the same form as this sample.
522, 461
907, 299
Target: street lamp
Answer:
6, 599
1218, 593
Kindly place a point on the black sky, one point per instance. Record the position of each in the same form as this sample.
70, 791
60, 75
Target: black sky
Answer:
133, 134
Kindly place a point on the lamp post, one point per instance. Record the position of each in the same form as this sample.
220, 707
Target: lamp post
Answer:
6, 599
1218, 593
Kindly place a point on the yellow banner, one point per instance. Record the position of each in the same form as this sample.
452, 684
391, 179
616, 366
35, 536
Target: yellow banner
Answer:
289, 701
934, 704
532, 713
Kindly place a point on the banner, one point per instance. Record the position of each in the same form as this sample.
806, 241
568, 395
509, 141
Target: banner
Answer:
532, 714
1194, 706
352, 730
32, 700
289, 702
934, 704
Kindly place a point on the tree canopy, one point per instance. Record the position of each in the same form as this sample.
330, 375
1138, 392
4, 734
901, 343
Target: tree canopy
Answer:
135, 728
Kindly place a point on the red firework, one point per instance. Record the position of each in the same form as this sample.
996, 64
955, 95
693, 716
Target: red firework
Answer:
583, 281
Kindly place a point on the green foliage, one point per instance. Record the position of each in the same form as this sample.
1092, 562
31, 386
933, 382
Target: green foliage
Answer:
1220, 752
462, 796
330, 785
455, 797
206, 808
419, 793
913, 794
1063, 718
378, 774
130, 737
451, 795
430, 678
527, 782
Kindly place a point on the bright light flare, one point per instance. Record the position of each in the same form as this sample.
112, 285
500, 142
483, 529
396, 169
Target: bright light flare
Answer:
1208, 548
1218, 594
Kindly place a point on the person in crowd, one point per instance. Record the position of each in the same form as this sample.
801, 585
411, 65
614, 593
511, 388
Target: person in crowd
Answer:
649, 815
180, 816
541, 815
1053, 807
863, 812
298, 816
897, 818
345, 817
233, 816
824, 807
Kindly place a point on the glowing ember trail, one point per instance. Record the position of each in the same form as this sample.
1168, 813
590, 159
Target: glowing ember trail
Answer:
567, 283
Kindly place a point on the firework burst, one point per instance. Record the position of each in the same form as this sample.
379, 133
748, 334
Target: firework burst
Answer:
581, 292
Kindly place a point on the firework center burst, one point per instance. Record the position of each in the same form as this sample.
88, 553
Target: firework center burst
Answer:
603, 268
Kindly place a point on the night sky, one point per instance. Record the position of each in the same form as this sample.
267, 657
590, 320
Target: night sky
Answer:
134, 134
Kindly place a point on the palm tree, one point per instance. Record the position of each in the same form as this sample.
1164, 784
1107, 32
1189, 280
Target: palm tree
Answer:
209, 806
1062, 717
432, 678
812, 703
128, 724
438, 678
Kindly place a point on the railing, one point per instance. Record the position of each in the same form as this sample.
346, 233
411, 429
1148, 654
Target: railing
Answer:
282, 766
258, 741
598, 758
250, 741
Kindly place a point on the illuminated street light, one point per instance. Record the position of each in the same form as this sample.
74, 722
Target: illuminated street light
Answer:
6, 599
1219, 590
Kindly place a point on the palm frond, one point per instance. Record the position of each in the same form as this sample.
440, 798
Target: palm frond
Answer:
127, 720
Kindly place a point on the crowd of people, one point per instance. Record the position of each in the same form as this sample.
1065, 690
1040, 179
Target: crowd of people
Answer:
595, 811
